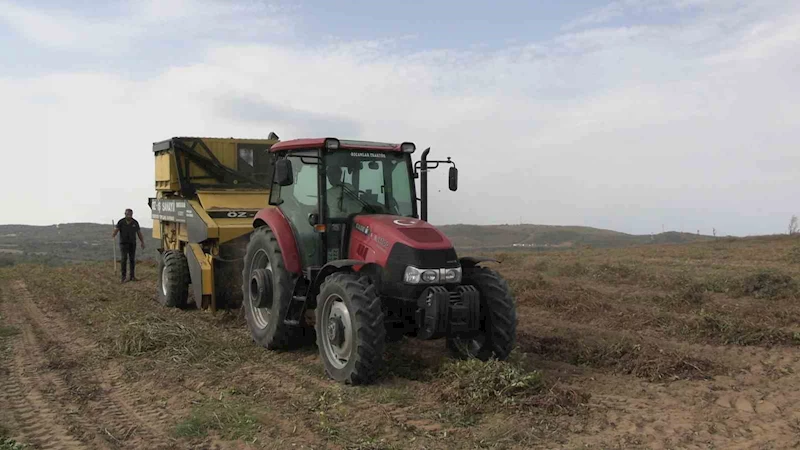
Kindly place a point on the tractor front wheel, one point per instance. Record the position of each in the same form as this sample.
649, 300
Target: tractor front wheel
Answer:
266, 291
173, 279
498, 318
350, 332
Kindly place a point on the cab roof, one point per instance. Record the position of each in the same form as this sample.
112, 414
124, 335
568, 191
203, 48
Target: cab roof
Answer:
296, 144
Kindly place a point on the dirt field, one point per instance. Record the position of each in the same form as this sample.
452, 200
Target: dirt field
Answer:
691, 346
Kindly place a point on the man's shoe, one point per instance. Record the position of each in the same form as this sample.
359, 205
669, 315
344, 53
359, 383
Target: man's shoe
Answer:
133, 279
122, 281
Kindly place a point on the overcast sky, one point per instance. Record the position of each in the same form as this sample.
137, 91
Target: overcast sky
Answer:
626, 115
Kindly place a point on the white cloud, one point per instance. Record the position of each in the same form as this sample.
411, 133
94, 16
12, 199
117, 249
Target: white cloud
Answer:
626, 127
61, 30
145, 20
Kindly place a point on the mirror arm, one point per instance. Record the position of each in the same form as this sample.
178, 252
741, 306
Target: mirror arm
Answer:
432, 165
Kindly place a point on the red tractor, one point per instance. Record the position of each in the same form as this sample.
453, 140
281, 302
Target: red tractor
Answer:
344, 250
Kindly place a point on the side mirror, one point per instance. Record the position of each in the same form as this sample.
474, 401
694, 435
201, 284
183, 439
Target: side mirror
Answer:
283, 172
453, 178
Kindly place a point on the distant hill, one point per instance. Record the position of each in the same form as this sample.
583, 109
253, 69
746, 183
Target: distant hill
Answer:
66, 242
92, 241
553, 236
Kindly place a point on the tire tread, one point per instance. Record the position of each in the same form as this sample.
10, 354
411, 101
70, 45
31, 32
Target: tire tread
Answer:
502, 316
177, 267
281, 336
369, 327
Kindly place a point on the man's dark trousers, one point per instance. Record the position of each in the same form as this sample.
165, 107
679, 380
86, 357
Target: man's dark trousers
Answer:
127, 252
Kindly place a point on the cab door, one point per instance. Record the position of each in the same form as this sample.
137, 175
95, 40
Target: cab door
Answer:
298, 202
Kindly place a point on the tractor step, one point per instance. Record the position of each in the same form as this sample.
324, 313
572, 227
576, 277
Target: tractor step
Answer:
295, 311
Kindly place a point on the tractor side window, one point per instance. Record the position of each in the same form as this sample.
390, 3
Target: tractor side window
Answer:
300, 199
401, 189
304, 189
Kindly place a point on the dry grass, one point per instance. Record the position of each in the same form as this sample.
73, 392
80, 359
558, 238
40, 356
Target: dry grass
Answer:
619, 354
474, 384
645, 315
770, 284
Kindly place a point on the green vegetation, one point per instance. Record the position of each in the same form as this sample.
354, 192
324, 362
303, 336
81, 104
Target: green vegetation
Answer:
769, 284
6, 443
474, 383
232, 420
6, 331
10, 444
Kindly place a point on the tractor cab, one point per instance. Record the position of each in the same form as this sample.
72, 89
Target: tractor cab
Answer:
322, 185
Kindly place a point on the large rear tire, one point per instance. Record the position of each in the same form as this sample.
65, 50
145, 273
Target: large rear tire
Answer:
498, 329
266, 291
351, 335
173, 279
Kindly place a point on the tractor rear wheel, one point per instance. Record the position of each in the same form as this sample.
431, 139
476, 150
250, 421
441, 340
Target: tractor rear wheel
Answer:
498, 318
173, 279
350, 332
266, 291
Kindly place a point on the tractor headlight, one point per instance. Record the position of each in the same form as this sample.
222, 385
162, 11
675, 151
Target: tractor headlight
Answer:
430, 276
452, 275
414, 275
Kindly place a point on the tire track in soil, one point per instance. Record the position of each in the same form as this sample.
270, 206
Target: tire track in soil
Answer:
27, 395
115, 413
291, 380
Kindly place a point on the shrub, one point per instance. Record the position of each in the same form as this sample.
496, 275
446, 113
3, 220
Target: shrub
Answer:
473, 383
769, 284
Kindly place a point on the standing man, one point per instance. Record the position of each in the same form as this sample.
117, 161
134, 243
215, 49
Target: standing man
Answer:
128, 229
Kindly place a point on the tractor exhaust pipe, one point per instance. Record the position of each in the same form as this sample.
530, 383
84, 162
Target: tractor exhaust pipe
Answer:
423, 186
423, 166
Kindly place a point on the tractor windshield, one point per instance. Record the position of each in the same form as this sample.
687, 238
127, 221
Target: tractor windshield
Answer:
368, 182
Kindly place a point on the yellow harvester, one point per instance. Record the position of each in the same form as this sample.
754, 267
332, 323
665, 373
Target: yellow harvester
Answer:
207, 192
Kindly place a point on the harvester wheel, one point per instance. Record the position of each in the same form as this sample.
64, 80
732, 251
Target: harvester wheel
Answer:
350, 331
267, 291
173, 279
498, 318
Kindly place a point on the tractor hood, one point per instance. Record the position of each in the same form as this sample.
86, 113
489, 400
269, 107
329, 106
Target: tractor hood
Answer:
386, 230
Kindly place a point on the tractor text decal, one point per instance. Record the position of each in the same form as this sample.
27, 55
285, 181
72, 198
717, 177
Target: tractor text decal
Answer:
381, 241
368, 155
362, 228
